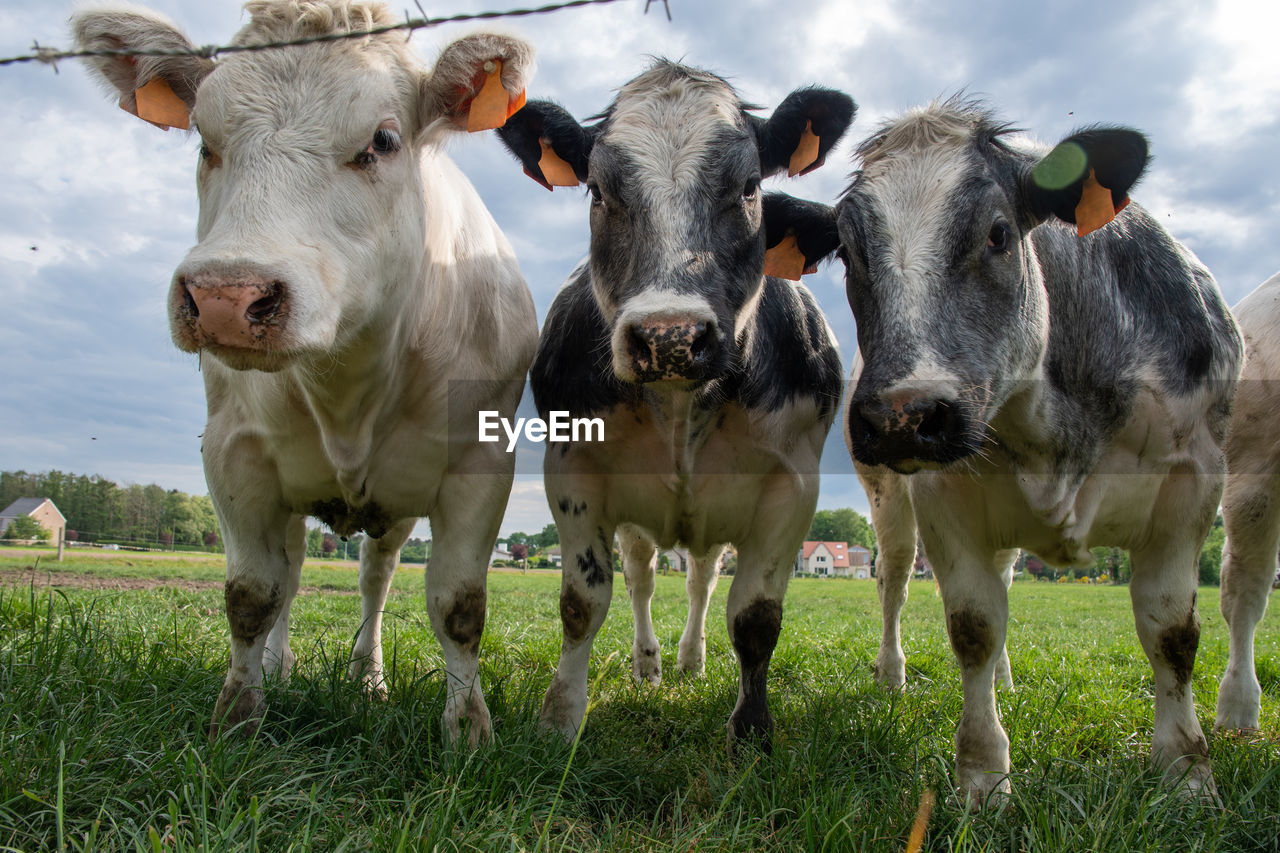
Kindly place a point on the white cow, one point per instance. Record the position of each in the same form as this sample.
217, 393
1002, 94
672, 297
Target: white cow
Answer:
355, 305
1251, 502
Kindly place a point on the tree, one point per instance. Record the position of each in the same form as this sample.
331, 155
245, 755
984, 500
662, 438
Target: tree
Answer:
26, 527
328, 544
1211, 554
210, 538
519, 550
548, 537
841, 525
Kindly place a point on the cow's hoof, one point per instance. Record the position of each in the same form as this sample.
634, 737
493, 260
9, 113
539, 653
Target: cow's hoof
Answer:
750, 731
693, 664
561, 713
239, 709
890, 671
984, 790
646, 665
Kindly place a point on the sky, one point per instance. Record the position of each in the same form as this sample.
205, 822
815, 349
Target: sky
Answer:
98, 208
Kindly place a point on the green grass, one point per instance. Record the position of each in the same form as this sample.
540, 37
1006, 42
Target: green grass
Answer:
105, 698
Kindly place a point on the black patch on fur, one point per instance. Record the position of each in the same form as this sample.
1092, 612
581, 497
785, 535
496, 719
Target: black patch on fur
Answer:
575, 614
755, 636
464, 622
971, 638
347, 520
594, 573
251, 608
1178, 646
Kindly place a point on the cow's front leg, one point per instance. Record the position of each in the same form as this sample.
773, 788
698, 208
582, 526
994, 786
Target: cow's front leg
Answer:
700, 582
278, 659
1004, 673
1163, 592
895, 524
464, 527
976, 604
378, 561
258, 583
586, 588
638, 566
1251, 513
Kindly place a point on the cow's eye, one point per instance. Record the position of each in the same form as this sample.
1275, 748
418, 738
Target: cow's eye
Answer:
208, 156
751, 188
597, 199
385, 141
998, 238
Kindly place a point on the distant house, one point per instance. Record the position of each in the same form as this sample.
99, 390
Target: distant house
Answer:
834, 560
553, 555
42, 510
499, 553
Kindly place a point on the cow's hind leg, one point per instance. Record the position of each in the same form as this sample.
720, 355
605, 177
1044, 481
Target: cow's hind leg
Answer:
378, 560
700, 582
278, 659
1251, 514
639, 558
1004, 675
895, 526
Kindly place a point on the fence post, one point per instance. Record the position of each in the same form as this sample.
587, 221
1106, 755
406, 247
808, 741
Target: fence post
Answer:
62, 537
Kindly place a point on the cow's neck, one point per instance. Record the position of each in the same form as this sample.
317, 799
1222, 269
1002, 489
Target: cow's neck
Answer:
678, 419
345, 395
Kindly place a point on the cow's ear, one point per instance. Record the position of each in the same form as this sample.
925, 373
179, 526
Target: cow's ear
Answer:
478, 82
553, 147
798, 235
159, 89
802, 130
1086, 178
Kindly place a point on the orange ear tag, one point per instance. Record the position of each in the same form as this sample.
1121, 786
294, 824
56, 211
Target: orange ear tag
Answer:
806, 153
1095, 208
785, 260
492, 106
557, 172
158, 105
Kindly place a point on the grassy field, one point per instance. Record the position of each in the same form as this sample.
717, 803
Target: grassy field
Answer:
107, 680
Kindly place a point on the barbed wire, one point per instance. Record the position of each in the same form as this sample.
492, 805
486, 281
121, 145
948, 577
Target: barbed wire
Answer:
51, 56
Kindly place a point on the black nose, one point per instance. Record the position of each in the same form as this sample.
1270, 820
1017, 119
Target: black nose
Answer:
904, 429
671, 348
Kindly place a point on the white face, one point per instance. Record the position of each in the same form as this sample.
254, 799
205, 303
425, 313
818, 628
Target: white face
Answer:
309, 191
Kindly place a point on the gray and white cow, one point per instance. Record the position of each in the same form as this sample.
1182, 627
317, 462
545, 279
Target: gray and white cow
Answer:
1023, 386
716, 384
355, 304
1251, 503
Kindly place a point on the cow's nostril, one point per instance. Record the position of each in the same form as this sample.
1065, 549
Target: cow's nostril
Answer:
268, 306
934, 423
638, 344
701, 343
188, 300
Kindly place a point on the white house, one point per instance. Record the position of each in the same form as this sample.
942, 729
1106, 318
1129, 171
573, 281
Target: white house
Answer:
834, 559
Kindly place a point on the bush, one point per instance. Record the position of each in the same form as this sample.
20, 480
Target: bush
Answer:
26, 527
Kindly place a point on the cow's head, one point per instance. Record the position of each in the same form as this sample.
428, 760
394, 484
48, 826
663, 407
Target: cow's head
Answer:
311, 165
942, 275
674, 169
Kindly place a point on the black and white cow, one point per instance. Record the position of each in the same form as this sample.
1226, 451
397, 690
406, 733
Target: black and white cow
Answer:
717, 384
1251, 503
355, 304
1024, 386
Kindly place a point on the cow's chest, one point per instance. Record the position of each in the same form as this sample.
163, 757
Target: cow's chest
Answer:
699, 484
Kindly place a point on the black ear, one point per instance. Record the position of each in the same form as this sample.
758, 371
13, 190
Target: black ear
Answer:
1086, 178
798, 235
802, 130
550, 143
